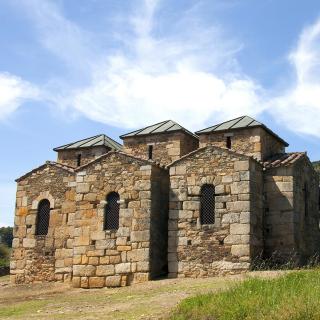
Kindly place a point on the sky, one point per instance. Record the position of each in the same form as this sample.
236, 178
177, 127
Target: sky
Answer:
71, 69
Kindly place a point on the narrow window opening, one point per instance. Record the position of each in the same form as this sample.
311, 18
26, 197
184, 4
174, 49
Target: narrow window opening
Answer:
43, 218
111, 212
207, 204
150, 151
79, 160
228, 142
305, 195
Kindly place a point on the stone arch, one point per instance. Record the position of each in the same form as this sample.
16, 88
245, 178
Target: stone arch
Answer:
42, 196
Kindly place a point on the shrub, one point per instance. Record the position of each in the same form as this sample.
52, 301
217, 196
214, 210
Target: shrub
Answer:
4, 255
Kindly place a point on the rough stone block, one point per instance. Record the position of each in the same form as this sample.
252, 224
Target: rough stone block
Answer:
239, 228
113, 281
240, 250
105, 270
84, 270
242, 165
123, 268
96, 282
29, 243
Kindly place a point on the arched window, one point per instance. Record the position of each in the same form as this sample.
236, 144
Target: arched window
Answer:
111, 212
43, 217
207, 204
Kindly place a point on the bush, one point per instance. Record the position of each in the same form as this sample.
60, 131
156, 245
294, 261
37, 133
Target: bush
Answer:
294, 296
4, 256
6, 235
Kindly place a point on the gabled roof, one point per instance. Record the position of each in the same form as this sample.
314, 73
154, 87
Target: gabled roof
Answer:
121, 154
45, 165
212, 147
99, 140
283, 160
167, 126
239, 123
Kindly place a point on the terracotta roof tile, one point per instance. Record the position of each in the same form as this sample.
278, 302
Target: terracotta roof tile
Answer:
283, 160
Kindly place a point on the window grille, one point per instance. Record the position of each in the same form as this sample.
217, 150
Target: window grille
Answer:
207, 204
43, 218
111, 214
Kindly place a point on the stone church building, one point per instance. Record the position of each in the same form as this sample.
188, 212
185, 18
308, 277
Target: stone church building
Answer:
167, 202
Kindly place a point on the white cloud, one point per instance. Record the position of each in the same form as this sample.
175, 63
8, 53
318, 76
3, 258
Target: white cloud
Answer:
177, 76
299, 107
62, 37
189, 74
13, 93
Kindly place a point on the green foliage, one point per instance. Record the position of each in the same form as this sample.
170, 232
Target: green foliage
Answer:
4, 255
316, 165
294, 296
6, 235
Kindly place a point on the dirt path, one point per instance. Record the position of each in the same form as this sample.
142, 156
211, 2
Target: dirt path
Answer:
152, 300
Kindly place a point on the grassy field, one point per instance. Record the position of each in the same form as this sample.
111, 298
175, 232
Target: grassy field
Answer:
151, 300
294, 296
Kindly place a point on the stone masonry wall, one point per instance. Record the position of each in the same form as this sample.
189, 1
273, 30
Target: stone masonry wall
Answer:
196, 250
254, 142
167, 147
279, 214
112, 257
34, 257
70, 157
306, 215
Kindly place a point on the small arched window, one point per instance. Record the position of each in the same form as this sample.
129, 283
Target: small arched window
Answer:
111, 211
207, 204
43, 218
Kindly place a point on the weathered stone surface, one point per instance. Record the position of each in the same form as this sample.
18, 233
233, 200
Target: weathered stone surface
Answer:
123, 268
105, 270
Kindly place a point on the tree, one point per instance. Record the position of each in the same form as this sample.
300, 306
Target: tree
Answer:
6, 236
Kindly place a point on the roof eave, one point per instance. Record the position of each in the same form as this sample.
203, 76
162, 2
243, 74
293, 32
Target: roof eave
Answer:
286, 144
158, 133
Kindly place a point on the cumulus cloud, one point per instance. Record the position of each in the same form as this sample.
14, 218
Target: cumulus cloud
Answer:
299, 106
178, 76
14, 91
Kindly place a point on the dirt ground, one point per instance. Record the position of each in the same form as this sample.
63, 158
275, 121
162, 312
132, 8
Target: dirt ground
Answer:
151, 300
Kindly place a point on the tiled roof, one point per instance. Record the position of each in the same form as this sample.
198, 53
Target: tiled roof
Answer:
283, 160
239, 123
99, 140
161, 127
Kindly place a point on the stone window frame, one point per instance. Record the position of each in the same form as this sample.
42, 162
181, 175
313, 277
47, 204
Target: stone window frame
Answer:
105, 203
200, 207
44, 195
217, 216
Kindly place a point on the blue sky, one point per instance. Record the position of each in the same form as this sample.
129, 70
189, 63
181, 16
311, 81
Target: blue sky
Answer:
70, 69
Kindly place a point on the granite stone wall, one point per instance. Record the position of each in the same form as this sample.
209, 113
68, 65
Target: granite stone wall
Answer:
196, 250
70, 157
306, 210
167, 147
115, 257
34, 257
255, 142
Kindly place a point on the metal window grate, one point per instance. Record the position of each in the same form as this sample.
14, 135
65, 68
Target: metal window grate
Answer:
207, 204
43, 218
111, 214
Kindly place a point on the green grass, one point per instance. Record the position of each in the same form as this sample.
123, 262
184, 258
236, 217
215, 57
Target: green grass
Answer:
295, 296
